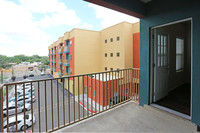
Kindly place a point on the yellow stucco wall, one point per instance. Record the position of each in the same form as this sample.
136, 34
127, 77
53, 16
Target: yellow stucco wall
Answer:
87, 51
90, 49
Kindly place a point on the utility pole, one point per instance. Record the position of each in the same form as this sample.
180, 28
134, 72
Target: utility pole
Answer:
1, 76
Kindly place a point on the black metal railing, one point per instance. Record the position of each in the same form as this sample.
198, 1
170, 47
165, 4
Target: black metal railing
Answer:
50, 104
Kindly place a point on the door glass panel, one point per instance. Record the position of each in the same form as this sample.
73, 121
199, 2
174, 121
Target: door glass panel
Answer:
162, 50
158, 50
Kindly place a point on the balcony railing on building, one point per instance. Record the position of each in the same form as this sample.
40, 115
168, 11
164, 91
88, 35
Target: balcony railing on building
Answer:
66, 62
54, 60
60, 50
60, 72
60, 102
54, 69
66, 74
60, 61
54, 52
66, 49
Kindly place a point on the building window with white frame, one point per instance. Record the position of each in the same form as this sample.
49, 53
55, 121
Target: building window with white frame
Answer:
179, 54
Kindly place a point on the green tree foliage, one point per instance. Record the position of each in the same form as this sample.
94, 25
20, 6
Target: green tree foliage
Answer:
5, 61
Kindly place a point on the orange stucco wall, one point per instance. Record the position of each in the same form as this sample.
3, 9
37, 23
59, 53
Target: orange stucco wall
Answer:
136, 50
107, 89
71, 62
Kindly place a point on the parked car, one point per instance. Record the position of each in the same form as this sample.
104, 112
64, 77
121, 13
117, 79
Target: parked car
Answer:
27, 87
31, 74
11, 108
20, 100
20, 123
21, 92
26, 91
12, 99
42, 74
25, 76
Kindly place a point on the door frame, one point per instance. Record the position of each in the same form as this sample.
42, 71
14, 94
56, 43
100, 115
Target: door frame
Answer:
151, 55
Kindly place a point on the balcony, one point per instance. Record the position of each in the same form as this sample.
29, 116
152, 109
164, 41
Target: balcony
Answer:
60, 50
54, 69
66, 62
54, 60
66, 74
66, 49
54, 53
60, 72
62, 102
131, 117
60, 61
51, 69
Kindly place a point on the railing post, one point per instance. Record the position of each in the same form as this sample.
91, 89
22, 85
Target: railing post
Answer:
1, 107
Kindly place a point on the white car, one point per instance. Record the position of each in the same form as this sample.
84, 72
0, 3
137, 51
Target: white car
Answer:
11, 108
20, 123
20, 100
42, 74
26, 84
27, 90
26, 87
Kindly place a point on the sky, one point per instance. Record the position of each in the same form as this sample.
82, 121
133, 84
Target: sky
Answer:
29, 26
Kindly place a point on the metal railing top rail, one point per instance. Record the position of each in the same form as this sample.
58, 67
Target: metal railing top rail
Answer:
21, 82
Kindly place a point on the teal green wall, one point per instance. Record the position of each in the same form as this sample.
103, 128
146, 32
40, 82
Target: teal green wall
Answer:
162, 12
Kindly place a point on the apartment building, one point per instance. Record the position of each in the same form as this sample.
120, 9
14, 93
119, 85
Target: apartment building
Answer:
84, 51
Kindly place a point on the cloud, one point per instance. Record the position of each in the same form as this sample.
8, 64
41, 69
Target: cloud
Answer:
110, 17
43, 6
67, 17
19, 34
56, 13
86, 26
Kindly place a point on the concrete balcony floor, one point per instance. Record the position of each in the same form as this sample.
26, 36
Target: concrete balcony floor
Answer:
131, 117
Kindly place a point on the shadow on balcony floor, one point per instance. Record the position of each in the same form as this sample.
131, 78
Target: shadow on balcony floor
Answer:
131, 117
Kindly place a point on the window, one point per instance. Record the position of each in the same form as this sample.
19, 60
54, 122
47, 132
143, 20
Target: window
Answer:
118, 38
111, 69
70, 43
105, 68
70, 57
105, 41
67, 69
179, 54
67, 44
105, 54
162, 51
111, 39
111, 54
26, 116
118, 54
